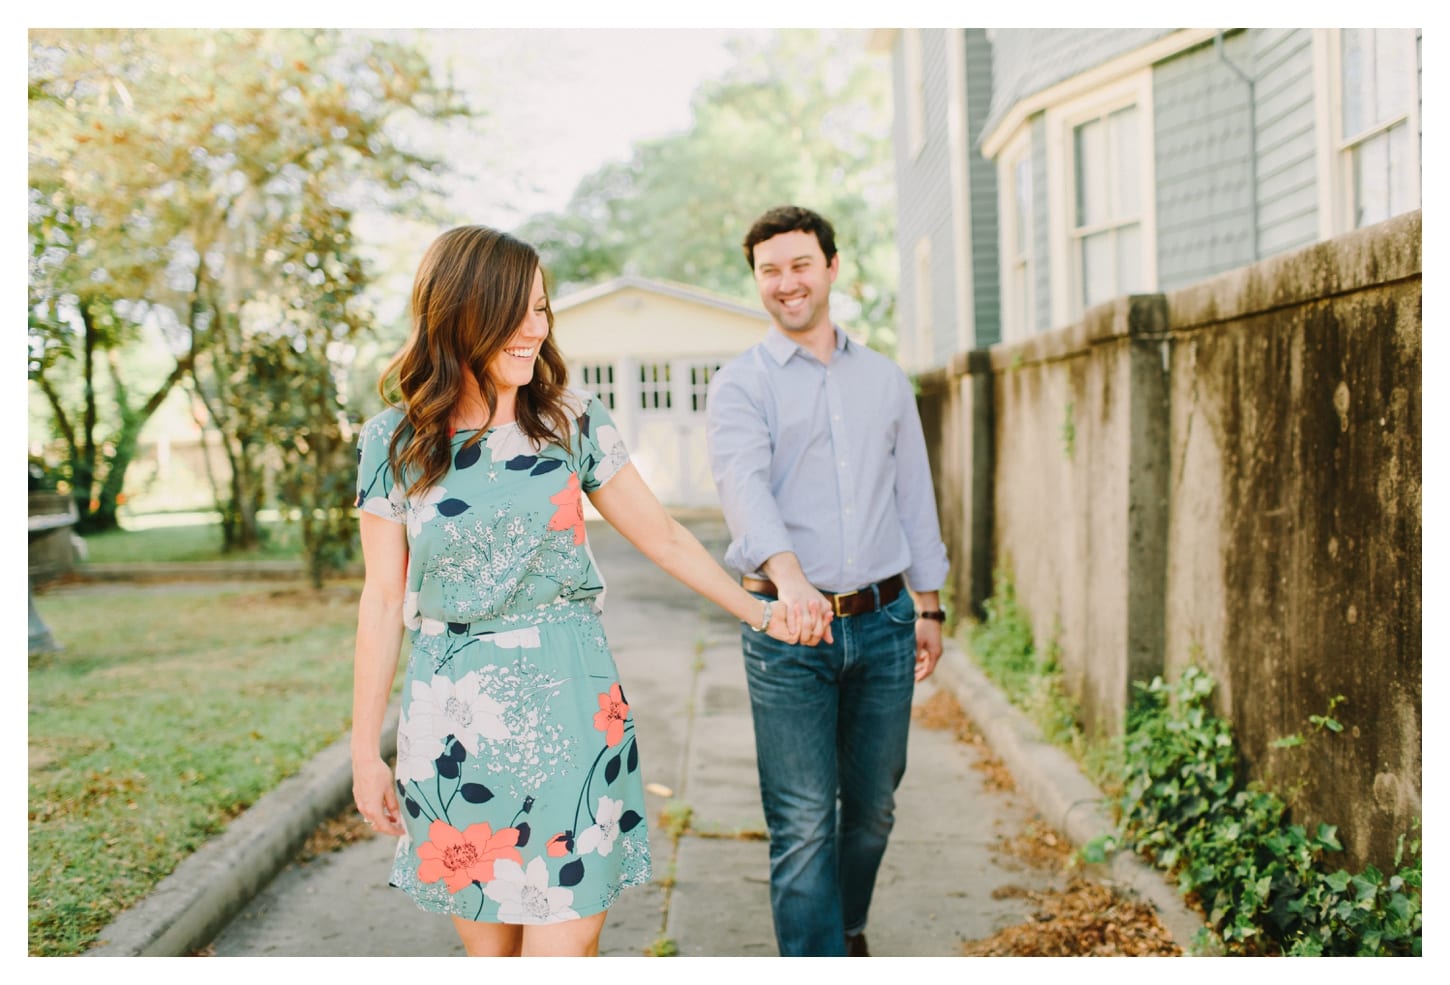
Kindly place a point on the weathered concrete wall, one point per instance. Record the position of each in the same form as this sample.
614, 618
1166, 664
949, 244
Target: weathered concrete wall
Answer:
1296, 495
1227, 474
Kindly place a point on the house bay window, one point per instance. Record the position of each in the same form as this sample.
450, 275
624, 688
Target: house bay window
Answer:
1107, 218
1379, 101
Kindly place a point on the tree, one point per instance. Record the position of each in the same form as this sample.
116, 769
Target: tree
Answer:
206, 181
804, 119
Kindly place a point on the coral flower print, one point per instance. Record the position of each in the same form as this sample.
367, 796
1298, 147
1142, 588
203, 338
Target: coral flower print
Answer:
599, 837
465, 857
609, 719
525, 896
571, 509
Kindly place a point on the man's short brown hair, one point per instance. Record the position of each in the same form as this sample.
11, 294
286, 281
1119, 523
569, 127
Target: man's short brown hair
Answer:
789, 219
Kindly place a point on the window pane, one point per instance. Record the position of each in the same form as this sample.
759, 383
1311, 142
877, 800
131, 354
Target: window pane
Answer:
1089, 145
1394, 80
1404, 175
1130, 260
1372, 180
1357, 78
1123, 126
1098, 280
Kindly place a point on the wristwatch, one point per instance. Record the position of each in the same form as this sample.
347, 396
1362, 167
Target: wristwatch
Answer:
937, 615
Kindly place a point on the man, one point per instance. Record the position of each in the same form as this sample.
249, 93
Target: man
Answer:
817, 451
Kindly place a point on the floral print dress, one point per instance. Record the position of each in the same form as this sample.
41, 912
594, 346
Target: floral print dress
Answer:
518, 769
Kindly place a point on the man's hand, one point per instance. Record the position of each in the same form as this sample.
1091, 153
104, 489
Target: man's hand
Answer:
928, 647
807, 605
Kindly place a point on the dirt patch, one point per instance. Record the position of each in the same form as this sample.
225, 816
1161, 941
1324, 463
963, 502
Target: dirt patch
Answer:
335, 834
1087, 919
942, 712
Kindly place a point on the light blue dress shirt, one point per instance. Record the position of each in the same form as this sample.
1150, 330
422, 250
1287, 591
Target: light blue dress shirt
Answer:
827, 461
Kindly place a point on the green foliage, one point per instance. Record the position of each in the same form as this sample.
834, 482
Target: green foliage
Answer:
1264, 882
1004, 645
663, 947
1068, 431
804, 120
192, 193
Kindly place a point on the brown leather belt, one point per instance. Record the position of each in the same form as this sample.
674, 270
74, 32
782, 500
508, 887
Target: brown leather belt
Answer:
843, 603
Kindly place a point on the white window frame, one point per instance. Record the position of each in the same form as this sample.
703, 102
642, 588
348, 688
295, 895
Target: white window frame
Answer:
694, 377
1019, 308
1336, 148
1135, 89
656, 386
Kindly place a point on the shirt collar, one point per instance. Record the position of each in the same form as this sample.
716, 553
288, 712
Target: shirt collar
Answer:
781, 348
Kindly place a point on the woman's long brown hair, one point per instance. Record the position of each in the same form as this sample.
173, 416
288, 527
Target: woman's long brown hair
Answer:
470, 294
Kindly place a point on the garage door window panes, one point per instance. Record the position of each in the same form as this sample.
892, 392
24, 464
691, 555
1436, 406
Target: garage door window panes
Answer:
700, 374
599, 380
654, 387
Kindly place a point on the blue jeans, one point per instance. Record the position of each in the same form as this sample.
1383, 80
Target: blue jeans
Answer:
830, 743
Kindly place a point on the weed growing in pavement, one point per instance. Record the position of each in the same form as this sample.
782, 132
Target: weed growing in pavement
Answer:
1265, 883
1004, 647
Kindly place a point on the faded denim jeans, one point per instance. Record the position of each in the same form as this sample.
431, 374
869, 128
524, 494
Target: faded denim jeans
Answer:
831, 723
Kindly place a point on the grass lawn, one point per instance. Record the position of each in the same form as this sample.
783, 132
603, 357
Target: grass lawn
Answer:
158, 540
171, 709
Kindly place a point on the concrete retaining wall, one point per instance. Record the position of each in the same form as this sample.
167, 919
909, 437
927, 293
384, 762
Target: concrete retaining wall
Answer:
1227, 474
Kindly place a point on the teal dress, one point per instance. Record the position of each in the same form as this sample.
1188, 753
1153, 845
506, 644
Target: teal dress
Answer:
518, 769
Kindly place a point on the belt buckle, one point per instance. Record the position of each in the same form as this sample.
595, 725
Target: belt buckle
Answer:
836, 602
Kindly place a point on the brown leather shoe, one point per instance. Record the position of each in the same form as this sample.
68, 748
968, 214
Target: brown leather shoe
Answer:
856, 946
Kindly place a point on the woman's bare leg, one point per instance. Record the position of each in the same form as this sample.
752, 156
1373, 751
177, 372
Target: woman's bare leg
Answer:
571, 939
490, 940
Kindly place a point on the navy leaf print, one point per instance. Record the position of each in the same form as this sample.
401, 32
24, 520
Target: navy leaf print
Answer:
528, 804
359, 500
629, 821
468, 455
447, 768
631, 761
476, 793
584, 424
611, 770
524, 831
458, 753
452, 507
402, 790
546, 466
458, 628
572, 874
520, 462
412, 806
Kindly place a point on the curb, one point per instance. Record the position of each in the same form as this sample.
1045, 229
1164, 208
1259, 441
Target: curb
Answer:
190, 907
1052, 780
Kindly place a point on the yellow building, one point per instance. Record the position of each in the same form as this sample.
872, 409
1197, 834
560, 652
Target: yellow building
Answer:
648, 348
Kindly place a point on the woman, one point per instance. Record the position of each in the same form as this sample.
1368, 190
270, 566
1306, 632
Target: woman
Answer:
517, 792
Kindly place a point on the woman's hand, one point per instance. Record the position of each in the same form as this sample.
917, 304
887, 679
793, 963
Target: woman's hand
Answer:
376, 799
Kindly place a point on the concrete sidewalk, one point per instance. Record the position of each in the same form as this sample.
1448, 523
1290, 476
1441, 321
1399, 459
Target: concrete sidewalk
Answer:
680, 660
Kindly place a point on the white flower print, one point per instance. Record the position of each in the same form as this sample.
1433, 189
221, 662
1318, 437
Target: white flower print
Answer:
411, 617
442, 707
393, 507
528, 638
509, 441
416, 753
525, 896
432, 627
423, 508
600, 835
611, 446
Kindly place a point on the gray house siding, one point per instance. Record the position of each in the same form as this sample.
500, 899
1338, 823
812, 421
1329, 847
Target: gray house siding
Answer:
924, 202
982, 191
1027, 60
1203, 146
1288, 196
